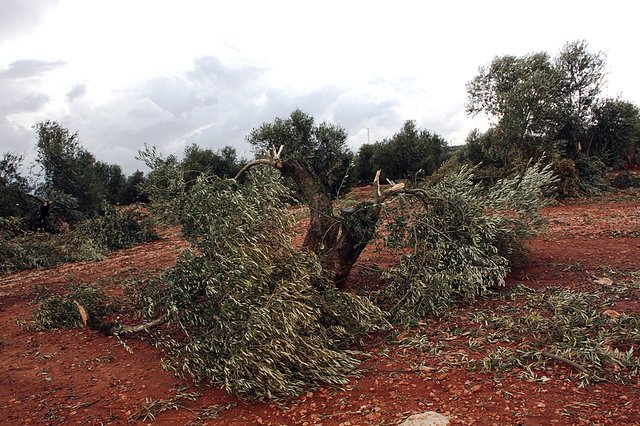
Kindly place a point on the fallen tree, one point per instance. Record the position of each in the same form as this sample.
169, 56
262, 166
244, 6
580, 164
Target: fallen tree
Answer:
246, 309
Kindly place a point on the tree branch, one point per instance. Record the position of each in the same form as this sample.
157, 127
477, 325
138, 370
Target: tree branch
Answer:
273, 160
131, 329
565, 360
382, 196
110, 329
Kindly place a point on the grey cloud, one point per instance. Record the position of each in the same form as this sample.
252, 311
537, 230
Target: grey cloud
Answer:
77, 91
213, 105
29, 68
19, 94
212, 69
14, 139
357, 111
176, 95
20, 16
28, 103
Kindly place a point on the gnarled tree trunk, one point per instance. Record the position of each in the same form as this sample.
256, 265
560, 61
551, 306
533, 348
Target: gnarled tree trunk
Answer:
338, 240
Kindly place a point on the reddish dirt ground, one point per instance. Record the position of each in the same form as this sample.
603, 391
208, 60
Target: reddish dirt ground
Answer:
78, 376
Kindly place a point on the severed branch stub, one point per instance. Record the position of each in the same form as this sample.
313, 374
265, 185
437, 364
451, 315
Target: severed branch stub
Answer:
110, 329
273, 159
383, 195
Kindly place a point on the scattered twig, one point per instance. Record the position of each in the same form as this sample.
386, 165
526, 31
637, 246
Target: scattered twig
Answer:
565, 360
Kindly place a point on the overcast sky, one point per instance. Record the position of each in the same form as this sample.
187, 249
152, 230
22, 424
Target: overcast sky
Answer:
171, 73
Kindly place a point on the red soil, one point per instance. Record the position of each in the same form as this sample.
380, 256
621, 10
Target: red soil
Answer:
78, 376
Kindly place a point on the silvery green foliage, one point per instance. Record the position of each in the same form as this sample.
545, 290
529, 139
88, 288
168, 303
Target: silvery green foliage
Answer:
249, 311
462, 238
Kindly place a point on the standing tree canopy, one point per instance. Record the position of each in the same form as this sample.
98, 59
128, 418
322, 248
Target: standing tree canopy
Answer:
615, 134
68, 168
13, 186
409, 154
323, 147
196, 161
537, 102
521, 94
582, 81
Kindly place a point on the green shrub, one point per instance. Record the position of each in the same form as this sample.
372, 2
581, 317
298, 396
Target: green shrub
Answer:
118, 228
20, 249
591, 172
569, 179
625, 179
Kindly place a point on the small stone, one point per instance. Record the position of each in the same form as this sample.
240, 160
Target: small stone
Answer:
429, 418
611, 314
604, 281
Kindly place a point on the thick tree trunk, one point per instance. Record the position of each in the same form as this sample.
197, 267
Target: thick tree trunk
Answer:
357, 229
338, 240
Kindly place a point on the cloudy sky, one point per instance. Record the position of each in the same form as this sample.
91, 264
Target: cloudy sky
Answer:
171, 73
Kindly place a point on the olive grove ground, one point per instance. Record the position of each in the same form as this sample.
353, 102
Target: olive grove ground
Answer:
78, 376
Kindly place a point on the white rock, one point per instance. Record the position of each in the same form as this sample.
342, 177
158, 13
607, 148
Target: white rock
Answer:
429, 418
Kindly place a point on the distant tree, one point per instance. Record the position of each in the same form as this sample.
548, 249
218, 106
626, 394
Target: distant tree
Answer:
582, 81
68, 168
323, 147
615, 134
538, 103
113, 181
133, 189
223, 163
410, 153
13, 187
365, 168
522, 96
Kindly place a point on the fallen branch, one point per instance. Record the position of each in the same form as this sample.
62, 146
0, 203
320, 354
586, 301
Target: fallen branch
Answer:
132, 329
565, 360
111, 329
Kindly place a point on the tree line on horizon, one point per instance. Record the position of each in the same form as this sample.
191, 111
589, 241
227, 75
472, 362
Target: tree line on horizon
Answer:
538, 105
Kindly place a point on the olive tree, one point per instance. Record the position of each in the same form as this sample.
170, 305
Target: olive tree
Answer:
323, 147
539, 103
410, 153
246, 308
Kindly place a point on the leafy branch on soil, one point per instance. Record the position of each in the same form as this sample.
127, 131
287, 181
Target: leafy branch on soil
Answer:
464, 239
61, 311
89, 241
246, 309
569, 327
152, 407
